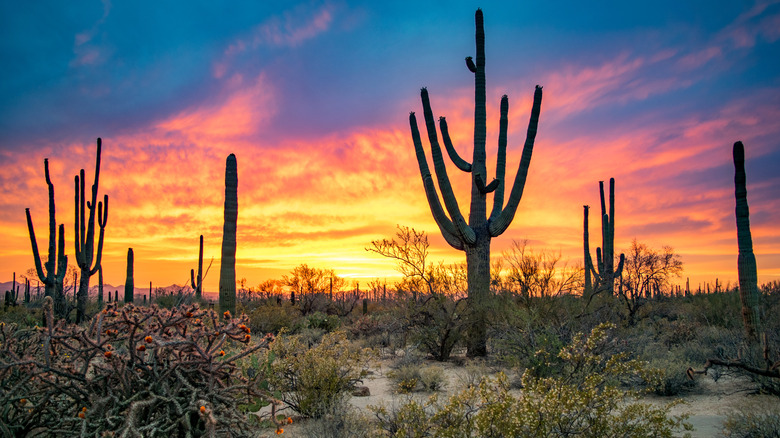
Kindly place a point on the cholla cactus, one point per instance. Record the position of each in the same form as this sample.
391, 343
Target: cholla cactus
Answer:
138, 371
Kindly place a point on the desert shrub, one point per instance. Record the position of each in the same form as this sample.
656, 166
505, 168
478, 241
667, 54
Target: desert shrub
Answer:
473, 373
586, 400
341, 421
322, 321
436, 324
20, 315
526, 342
673, 379
272, 318
763, 423
410, 355
137, 371
415, 377
406, 378
312, 380
432, 378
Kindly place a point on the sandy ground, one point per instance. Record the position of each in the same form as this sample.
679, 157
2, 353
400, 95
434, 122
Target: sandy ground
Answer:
707, 405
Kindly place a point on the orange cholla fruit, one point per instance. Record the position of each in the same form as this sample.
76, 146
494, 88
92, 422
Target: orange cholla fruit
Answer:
81, 415
226, 314
202, 409
141, 347
84, 409
289, 420
244, 328
107, 354
23, 401
189, 315
247, 337
279, 431
221, 352
148, 339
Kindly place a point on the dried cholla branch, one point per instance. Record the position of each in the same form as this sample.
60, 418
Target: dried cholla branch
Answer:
772, 367
137, 371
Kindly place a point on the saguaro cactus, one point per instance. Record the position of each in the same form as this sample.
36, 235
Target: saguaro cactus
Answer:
474, 238
746, 260
129, 282
57, 263
198, 285
604, 277
227, 271
85, 234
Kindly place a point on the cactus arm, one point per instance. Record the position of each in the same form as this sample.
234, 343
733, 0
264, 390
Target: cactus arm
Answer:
619, 270
459, 162
52, 260
470, 64
62, 259
102, 221
498, 195
609, 250
501, 223
34, 243
485, 189
192, 278
446, 226
450, 202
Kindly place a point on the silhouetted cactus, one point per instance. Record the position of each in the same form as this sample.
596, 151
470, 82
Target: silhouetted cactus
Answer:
129, 282
85, 234
100, 287
198, 285
474, 237
746, 260
57, 264
604, 273
227, 271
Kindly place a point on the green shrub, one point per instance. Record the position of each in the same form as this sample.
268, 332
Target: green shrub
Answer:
764, 423
272, 318
312, 380
321, 321
341, 421
432, 378
585, 400
406, 378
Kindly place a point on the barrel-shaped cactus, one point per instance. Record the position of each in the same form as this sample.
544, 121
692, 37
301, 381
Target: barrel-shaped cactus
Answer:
227, 272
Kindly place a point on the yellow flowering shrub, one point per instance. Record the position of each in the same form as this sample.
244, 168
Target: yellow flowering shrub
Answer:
586, 400
311, 380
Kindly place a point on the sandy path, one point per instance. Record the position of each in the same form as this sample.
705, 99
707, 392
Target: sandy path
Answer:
707, 405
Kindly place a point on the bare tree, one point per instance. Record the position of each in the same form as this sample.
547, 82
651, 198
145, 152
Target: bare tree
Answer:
540, 274
646, 273
311, 286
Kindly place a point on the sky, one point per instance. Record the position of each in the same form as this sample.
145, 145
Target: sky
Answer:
313, 98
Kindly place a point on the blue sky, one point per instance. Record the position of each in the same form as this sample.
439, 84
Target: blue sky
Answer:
313, 98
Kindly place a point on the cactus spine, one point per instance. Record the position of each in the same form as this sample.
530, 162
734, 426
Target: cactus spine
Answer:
604, 277
85, 234
57, 263
474, 237
746, 260
129, 282
198, 286
227, 271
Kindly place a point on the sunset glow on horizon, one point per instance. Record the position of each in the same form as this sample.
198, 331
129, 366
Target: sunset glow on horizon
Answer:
313, 99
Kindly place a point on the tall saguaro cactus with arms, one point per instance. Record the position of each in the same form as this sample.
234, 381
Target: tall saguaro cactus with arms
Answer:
85, 234
57, 263
603, 272
474, 237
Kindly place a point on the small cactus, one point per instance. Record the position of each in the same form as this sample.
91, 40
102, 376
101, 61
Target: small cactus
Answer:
129, 282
